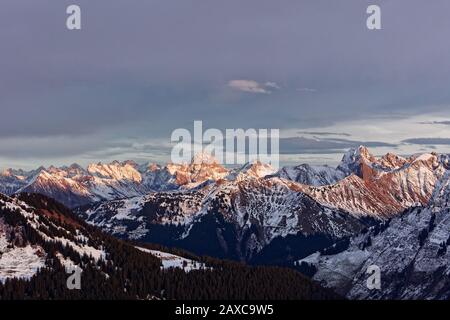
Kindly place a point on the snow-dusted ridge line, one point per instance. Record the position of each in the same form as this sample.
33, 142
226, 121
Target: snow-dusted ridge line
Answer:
261, 209
412, 251
271, 205
169, 260
75, 186
24, 262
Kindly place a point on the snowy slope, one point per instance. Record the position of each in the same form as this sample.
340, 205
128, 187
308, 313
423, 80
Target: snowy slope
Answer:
255, 211
312, 175
411, 250
22, 257
253, 208
169, 260
254, 169
18, 262
38, 233
380, 187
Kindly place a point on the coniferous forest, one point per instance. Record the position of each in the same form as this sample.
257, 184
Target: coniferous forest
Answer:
128, 273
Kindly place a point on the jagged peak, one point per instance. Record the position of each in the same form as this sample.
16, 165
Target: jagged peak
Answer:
153, 167
116, 170
18, 172
42, 174
41, 168
75, 166
390, 155
422, 156
204, 158
354, 157
391, 160
364, 153
10, 172
256, 164
114, 163
431, 160
131, 163
254, 168
250, 164
53, 169
149, 167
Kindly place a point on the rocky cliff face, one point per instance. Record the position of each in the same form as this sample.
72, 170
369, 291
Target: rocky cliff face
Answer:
411, 249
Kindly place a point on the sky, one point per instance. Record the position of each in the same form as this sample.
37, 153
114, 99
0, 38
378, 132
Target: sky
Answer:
140, 69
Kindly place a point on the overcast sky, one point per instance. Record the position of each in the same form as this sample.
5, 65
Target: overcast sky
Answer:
139, 69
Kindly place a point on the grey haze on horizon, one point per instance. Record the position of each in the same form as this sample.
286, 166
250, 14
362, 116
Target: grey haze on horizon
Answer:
140, 69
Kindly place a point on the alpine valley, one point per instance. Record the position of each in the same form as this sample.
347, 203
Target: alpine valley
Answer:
329, 223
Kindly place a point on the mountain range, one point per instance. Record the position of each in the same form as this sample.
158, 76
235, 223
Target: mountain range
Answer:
359, 185
75, 186
312, 218
41, 241
411, 250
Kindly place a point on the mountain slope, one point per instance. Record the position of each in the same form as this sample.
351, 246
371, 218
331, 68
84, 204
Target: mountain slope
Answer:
239, 218
39, 238
255, 215
12, 180
380, 187
411, 251
312, 175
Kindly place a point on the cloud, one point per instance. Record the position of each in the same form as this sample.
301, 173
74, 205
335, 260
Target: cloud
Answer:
293, 145
253, 86
446, 123
428, 141
325, 133
129, 80
306, 90
54, 147
63, 150
273, 85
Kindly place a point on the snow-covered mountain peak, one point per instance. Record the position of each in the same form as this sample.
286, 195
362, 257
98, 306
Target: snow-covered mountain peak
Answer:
391, 160
356, 154
130, 163
365, 165
152, 167
204, 158
390, 179
259, 169
116, 170
75, 170
354, 160
20, 174
202, 168
53, 169
72, 167
363, 152
7, 172
75, 166
255, 169
44, 174
430, 160
312, 175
